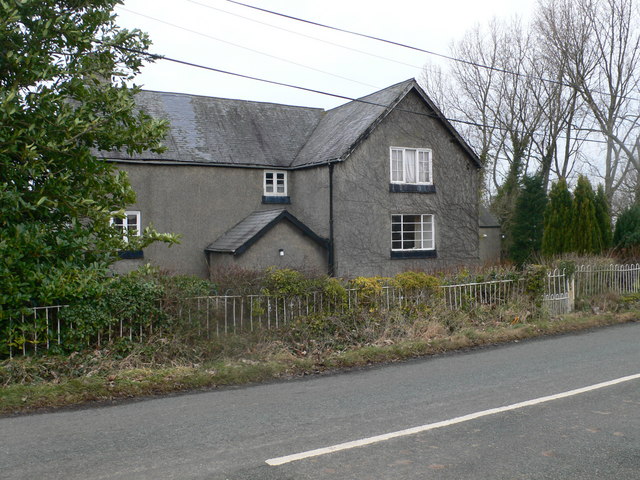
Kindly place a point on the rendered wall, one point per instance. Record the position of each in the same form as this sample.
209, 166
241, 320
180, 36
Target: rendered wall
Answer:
300, 252
364, 205
200, 203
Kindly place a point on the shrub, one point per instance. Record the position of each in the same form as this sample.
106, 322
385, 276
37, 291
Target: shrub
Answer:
234, 280
371, 286
418, 281
177, 288
143, 301
133, 300
369, 289
535, 277
285, 282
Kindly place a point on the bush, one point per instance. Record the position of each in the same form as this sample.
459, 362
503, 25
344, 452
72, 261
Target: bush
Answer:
418, 281
132, 300
141, 302
369, 287
535, 277
285, 282
234, 280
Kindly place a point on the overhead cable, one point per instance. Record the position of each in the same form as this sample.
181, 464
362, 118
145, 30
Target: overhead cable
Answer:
247, 48
321, 92
339, 45
418, 49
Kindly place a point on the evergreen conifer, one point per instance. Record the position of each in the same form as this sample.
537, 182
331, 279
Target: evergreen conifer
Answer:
556, 238
528, 219
603, 218
585, 231
627, 231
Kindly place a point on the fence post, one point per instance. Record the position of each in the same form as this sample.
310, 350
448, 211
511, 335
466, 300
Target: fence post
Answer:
572, 293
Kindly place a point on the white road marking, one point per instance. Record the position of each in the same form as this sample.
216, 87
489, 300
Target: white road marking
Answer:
445, 423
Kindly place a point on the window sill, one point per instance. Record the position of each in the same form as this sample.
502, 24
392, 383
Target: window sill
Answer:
275, 199
413, 254
411, 188
130, 254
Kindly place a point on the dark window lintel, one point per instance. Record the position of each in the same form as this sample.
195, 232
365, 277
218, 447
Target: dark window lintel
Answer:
413, 254
131, 254
276, 199
411, 188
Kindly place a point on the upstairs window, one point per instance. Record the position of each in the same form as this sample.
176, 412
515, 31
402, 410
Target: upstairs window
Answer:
129, 226
412, 232
275, 184
411, 166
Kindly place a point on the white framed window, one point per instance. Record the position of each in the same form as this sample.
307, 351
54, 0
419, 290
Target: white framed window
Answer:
275, 183
129, 226
411, 165
412, 232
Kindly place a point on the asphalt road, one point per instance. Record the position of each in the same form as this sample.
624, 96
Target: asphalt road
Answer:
231, 433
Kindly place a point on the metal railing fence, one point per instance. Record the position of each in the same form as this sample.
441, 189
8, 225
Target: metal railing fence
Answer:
596, 279
559, 296
40, 328
470, 295
44, 327
218, 315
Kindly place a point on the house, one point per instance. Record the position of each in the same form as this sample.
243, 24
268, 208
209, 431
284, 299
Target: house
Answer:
376, 186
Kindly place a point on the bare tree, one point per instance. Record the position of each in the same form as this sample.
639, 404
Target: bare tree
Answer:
598, 44
555, 144
521, 116
476, 92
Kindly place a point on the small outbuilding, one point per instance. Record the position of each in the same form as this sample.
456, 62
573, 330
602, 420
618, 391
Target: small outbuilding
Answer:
490, 236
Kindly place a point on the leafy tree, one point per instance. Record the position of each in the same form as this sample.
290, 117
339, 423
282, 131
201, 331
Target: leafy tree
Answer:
64, 68
528, 219
603, 217
556, 238
627, 231
585, 230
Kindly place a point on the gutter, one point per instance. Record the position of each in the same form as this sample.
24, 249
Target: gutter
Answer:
142, 161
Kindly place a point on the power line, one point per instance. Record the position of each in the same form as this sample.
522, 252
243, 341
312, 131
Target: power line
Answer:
246, 48
390, 42
321, 92
411, 47
305, 35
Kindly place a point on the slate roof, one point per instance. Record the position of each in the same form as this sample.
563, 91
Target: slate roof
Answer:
344, 127
217, 131
248, 231
340, 128
227, 132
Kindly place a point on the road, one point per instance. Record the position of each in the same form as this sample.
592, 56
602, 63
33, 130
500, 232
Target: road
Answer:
232, 433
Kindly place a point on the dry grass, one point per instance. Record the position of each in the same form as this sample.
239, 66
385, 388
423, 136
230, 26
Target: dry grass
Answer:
170, 364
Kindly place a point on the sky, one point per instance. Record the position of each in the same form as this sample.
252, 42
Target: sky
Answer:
227, 36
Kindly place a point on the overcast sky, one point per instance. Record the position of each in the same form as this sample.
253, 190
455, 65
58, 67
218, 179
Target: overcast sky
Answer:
222, 35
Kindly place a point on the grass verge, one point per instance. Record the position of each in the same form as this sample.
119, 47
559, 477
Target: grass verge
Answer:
31, 389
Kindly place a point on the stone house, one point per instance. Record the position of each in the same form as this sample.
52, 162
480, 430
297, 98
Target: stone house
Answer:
376, 186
